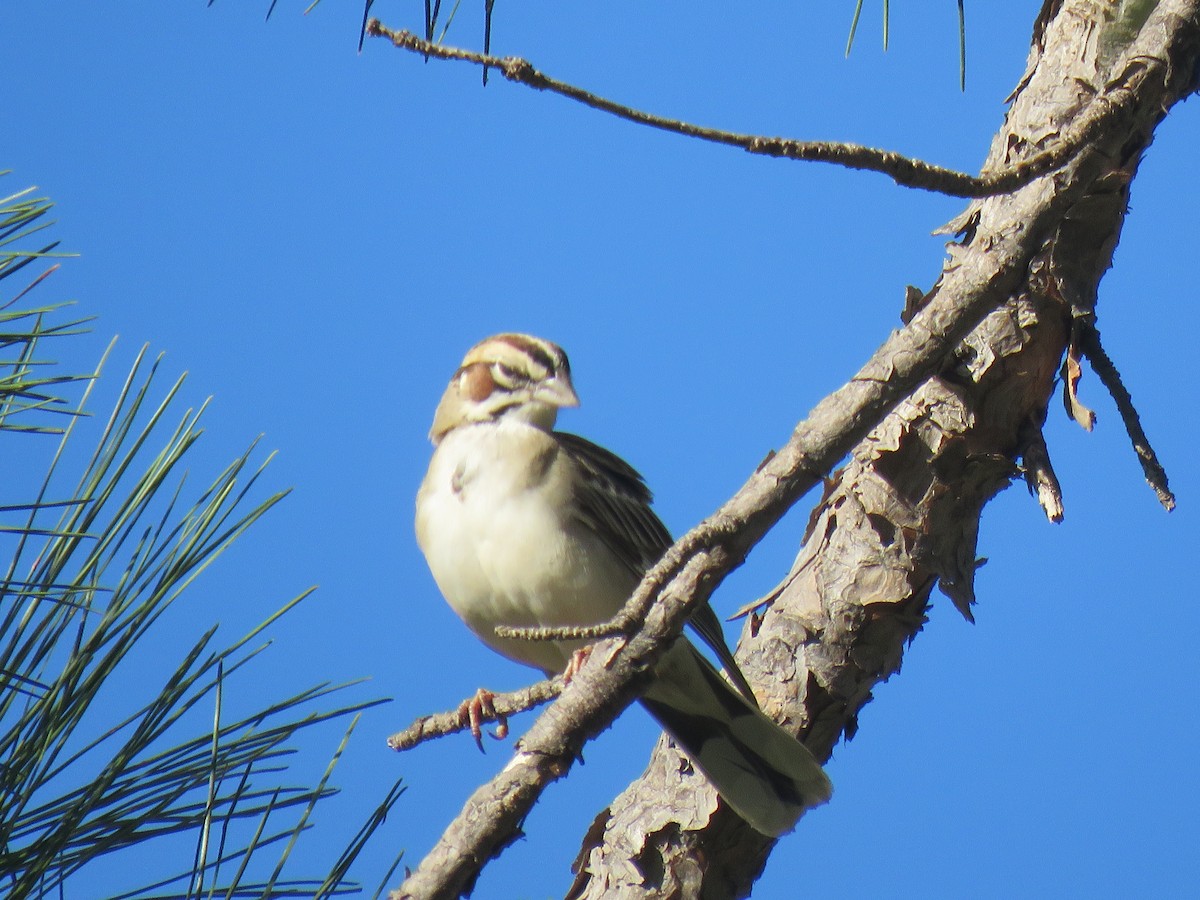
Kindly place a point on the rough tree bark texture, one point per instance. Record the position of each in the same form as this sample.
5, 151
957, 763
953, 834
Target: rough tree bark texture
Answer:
903, 514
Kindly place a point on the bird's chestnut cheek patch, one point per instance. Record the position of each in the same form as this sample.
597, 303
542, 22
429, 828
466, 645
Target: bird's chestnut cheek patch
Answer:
477, 382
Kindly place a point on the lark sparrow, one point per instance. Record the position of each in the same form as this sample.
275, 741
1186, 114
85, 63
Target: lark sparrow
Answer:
525, 526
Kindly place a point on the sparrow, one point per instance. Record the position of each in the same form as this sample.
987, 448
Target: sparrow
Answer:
527, 527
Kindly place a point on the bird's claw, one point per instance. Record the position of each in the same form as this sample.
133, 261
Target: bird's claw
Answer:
480, 709
576, 662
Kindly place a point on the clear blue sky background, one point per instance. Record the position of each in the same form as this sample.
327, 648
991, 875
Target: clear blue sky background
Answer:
317, 236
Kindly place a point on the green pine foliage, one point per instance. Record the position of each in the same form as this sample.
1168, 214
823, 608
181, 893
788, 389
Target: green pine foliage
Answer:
95, 548
887, 16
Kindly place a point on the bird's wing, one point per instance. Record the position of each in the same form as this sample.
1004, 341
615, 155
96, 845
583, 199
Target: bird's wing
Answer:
613, 502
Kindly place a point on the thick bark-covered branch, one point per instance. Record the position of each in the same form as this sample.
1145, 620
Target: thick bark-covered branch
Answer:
903, 514
695, 565
899, 517
913, 492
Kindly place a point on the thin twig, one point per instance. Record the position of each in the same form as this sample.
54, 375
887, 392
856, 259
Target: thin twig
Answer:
615, 627
1039, 473
1089, 342
426, 728
905, 171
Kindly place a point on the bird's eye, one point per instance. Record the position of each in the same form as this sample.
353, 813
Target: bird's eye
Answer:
508, 376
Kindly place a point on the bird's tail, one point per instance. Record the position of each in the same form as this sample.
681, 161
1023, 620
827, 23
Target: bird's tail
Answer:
766, 775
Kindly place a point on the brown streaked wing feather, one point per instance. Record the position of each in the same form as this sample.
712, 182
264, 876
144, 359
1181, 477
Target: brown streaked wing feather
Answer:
614, 504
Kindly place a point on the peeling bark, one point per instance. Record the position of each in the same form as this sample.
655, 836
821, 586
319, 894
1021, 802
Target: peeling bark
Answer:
903, 514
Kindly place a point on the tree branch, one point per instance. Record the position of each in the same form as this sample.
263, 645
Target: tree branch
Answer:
984, 276
904, 512
1102, 364
1039, 473
618, 625
427, 728
829, 657
905, 171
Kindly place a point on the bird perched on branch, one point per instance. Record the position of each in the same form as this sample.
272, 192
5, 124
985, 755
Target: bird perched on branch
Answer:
528, 527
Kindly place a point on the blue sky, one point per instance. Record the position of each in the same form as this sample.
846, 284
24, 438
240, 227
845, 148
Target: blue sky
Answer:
316, 236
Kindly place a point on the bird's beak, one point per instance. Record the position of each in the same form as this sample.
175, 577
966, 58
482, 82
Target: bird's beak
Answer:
557, 391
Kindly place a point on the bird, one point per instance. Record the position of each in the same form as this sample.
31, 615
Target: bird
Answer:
528, 527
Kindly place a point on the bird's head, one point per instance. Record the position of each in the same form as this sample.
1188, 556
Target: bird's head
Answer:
507, 375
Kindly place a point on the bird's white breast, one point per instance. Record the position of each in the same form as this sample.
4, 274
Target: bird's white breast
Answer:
494, 522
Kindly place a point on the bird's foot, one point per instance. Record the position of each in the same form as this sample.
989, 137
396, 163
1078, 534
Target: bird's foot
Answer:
578, 658
480, 709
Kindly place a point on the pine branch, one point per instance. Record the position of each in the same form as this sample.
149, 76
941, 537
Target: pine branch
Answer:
1105, 109
991, 266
